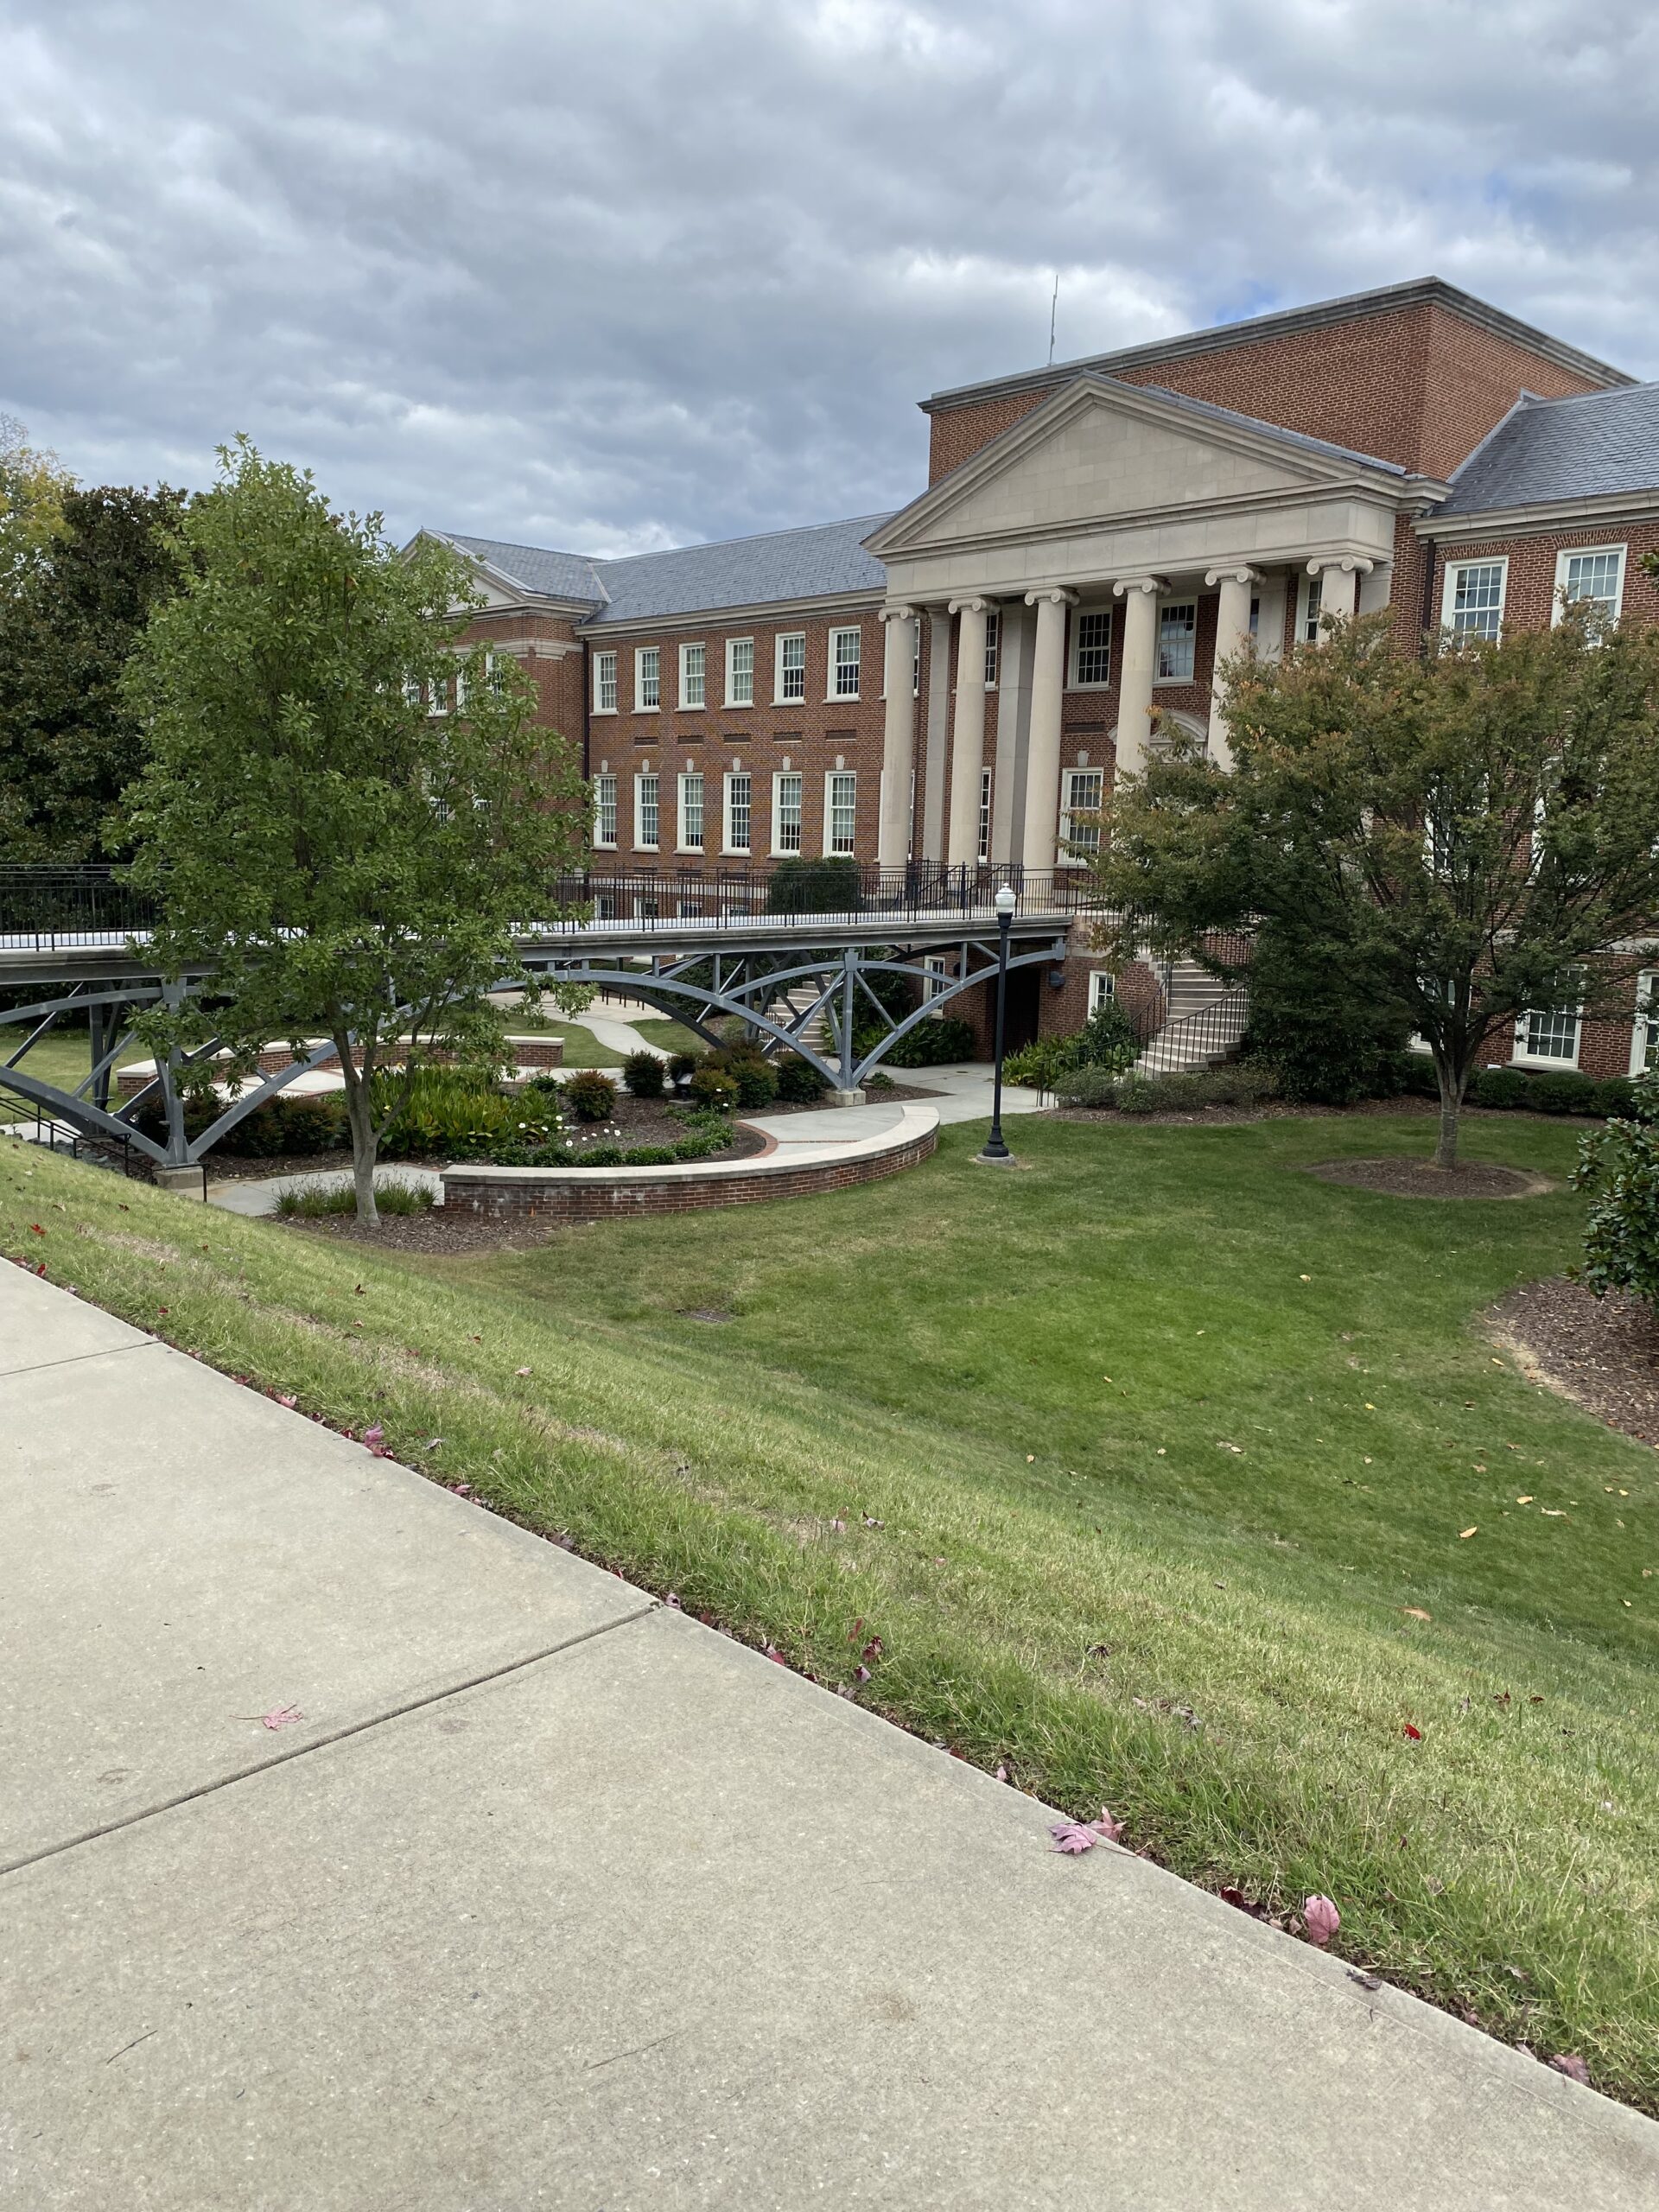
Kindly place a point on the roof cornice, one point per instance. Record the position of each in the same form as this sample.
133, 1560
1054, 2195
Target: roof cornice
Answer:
1423, 291
1544, 516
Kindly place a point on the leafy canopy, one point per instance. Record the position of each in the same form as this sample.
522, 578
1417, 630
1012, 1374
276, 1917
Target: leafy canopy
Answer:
344, 815
1460, 831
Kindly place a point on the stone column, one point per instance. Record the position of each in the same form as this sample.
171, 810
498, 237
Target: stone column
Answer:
931, 833
1232, 637
1042, 825
968, 746
899, 748
1338, 583
1140, 597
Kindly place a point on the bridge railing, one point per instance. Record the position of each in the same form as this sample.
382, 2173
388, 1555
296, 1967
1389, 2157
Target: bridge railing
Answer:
44, 908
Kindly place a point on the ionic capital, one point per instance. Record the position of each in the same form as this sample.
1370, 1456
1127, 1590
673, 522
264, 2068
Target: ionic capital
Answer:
1125, 585
975, 606
1348, 563
898, 613
1236, 572
1055, 596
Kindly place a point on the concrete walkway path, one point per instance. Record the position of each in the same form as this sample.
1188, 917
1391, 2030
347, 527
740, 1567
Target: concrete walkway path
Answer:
359, 1851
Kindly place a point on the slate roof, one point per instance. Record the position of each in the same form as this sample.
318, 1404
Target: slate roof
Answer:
822, 561
1549, 449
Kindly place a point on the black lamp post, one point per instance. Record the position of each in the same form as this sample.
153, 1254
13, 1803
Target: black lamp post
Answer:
996, 1154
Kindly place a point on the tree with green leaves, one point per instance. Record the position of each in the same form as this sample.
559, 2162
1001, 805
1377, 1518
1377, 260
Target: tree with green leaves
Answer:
33, 486
69, 741
344, 816
1467, 834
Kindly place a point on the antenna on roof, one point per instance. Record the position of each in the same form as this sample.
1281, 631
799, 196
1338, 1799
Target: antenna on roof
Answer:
1053, 309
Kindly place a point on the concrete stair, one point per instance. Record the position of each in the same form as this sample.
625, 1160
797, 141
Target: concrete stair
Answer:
1205, 1021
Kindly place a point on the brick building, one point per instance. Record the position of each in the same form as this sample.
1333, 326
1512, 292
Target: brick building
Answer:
956, 681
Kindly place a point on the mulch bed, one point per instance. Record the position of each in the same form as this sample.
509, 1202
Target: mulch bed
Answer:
439, 1231
1417, 1179
1601, 1352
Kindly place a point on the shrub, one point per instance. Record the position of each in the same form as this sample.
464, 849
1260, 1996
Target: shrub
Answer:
341, 1198
592, 1096
282, 1125
1087, 1087
453, 1113
754, 1079
1320, 1017
940, 1039
712, 1087
645, 1075
799, 1082
1187, 1092
681, 1066
1619, 1166
1615, 1095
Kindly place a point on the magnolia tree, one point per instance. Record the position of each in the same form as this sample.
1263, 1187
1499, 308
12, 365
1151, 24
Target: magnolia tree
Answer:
1471, 833
344, 816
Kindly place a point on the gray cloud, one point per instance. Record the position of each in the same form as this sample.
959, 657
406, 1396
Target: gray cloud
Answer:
627, 276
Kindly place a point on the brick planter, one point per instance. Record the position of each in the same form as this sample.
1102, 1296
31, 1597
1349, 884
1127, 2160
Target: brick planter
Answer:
606, 1193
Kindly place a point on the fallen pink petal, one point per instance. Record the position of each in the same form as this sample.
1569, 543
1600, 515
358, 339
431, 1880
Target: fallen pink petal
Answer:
281, 1716
1569, 2062
287, 1398
1322, 1918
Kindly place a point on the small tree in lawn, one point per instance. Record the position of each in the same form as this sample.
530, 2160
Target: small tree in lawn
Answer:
1469, 834
343, 816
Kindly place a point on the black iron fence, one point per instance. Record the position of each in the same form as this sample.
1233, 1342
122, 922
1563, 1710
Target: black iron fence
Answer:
41, 908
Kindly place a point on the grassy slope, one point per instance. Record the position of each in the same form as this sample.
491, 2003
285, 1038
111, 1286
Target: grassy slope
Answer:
670, 1036
898, 1351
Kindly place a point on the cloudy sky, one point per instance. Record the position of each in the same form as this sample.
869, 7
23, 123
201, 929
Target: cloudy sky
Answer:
619, 276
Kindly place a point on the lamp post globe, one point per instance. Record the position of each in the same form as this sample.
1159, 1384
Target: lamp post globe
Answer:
996, 1153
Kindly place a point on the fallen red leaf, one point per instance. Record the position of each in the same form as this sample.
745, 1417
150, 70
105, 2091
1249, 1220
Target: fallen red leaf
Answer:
1412, 1735
1242, 1903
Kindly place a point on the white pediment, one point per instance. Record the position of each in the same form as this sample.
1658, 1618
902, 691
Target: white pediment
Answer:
1098, 453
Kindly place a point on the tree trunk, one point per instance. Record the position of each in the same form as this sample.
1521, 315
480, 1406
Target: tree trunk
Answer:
1452, 1090
365, 1144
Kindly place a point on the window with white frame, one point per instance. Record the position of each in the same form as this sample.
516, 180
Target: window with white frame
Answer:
984, 814
1082, 791
993, 640
1308, 628
791, 672
740, 671
495, 668
604, 684
437, 695
1102, 989
647, 811
691, 810
1178, 631
648, 678
694, 671
739, 807
1550, 1033
786, 794
605, 906
1645, 1042
411, 691
1093, 653
846, 647
463, 687
916, 660
936, 974
1593, 578
840, 811
604, 810
1471, 605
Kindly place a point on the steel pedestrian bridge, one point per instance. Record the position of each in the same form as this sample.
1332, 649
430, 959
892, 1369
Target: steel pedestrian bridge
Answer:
795, 955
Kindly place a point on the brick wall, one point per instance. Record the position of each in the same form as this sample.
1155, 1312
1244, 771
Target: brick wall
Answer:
1419, 385
1529, 588
809, 736
575, 1196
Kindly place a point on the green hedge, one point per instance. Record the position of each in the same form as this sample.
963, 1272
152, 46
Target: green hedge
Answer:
1525, 1090
933, 1043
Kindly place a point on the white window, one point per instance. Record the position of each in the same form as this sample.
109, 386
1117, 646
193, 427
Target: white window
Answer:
411, 691
1092, 632
604, 684
1644, 1042
1596, 576
605, 906
786, 813
648, 679
984, 814
1549, 1034
463, 687
739, 789
691, 812
693, 666
916, 660
845, 647
790, 673
840, 809
1471, 605
1102, 989
437, 695
1178, 630
936, 974
740, 671
1308, 629
1082, 791
647, 791
495, 668
604, 810
993, 639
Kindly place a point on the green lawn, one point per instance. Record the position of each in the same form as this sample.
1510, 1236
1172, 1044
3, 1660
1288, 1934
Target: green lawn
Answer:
670, 1036
1180, 1591
582, 1048
62, 1056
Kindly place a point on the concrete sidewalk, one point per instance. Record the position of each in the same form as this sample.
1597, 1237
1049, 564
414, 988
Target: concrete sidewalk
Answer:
550, 1898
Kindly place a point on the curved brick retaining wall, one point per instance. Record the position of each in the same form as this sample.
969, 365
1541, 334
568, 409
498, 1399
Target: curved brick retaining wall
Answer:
603, 1194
